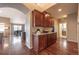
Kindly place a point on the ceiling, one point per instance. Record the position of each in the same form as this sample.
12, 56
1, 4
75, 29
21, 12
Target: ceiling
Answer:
39, 6
67, 8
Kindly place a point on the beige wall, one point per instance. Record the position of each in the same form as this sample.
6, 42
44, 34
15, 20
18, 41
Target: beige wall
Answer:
71, 21
72, 27
78, 28
56, 26
7, 24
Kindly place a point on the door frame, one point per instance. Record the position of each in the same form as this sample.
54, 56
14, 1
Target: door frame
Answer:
23, 27
60, 31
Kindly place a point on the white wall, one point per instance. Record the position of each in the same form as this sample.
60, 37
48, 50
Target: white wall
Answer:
15, 15
72, 27
71, 21
28, 30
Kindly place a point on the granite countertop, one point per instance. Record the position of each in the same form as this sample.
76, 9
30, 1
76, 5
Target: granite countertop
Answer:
45, 33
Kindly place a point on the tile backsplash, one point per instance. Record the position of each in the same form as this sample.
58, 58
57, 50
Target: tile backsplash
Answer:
49, 29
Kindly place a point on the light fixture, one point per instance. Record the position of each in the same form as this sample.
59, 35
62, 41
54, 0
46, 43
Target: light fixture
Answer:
0, 11
46, 15
37, 3
59, 10
64, 16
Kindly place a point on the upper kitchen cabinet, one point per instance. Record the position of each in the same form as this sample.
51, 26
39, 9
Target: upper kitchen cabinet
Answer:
41, 19
48, 22
37, 18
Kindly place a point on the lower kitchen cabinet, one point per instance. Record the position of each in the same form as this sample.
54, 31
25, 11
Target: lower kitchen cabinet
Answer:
51, 39
41, 42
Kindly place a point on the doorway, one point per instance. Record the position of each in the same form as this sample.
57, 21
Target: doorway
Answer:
16, 35
17, 29
63, 30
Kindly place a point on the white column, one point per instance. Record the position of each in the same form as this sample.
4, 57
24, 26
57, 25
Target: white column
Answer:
28, 30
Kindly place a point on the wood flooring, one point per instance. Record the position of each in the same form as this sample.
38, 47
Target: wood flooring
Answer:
14, 46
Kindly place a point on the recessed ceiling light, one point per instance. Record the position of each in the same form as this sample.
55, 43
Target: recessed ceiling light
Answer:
59, 10
38, 4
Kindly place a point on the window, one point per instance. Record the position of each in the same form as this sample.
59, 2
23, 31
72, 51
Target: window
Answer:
2, 27
17, 27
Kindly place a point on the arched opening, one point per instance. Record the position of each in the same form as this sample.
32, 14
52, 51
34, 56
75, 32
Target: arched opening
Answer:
16, 21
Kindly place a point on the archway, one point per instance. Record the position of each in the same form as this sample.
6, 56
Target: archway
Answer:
16, 17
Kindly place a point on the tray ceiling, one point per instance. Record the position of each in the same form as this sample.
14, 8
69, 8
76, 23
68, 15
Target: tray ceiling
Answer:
39, 6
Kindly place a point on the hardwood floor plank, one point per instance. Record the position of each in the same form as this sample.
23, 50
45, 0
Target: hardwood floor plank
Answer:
18, 47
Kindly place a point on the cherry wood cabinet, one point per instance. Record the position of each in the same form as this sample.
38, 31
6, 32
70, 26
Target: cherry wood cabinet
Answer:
41, 42
51, 39
48, 22
37, 18
41, 19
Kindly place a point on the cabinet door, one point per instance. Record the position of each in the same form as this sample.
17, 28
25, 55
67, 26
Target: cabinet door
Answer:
36, 18
48, 40
42, 20
51, 39
42, 42
54, 37
35, 43
50, 22
47, 20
